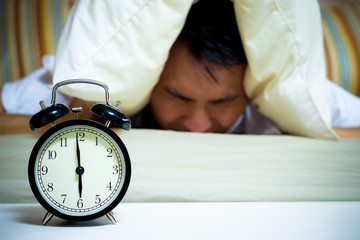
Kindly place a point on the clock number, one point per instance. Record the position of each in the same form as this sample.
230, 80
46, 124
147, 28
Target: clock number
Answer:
64, 197
50, 187
63, 142
52, 154
96, 141
82, 136
116, 169
44, 170
109, 150
80, 203
97, 199
109, 186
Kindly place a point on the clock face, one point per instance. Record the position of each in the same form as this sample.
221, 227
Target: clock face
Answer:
79, 170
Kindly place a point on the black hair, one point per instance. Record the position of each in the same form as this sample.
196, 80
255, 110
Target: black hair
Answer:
211, 34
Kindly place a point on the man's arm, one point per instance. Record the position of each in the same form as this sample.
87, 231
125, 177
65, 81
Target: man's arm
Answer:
347, 132
15, 124
19, 124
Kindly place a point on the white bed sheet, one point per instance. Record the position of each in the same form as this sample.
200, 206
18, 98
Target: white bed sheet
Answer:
172, 166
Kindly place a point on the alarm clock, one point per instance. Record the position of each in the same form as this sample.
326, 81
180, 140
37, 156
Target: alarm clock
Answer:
79, 169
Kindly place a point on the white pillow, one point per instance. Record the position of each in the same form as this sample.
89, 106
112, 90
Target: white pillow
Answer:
125, 44
286, 76
121, 43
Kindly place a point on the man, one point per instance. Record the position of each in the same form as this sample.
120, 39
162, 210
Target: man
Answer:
201, 86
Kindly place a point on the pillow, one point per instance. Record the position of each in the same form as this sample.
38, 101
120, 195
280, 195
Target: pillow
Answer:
121, 43
341, 26
125, 44
286, 74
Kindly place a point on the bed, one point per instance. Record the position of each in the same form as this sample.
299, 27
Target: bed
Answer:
209, 186
212, 186
188, 167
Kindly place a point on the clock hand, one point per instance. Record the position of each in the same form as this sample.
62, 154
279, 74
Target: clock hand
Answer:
80, 185
77, 150
79, 170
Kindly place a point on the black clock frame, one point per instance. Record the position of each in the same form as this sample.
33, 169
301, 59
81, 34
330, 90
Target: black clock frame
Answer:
40, 142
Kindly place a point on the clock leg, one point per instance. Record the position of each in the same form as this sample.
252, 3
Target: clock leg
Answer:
47, 218
111, 217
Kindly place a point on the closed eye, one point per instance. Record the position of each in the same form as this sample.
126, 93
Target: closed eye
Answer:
227, 99
178, 95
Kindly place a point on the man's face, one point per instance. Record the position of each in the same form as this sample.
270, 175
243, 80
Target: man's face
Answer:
186, 98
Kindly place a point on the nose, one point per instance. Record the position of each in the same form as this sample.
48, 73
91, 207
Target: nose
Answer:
197, 121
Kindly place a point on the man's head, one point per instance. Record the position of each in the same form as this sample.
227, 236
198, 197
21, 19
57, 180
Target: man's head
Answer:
201, 87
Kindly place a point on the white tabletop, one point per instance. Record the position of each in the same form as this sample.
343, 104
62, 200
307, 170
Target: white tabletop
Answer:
255, 220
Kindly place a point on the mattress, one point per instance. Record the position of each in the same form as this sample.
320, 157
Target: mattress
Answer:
170, 166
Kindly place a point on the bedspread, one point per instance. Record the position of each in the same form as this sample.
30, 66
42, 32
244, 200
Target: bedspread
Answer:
170, 166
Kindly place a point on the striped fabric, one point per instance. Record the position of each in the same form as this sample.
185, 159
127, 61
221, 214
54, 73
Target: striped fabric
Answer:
341, 26
29, 29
